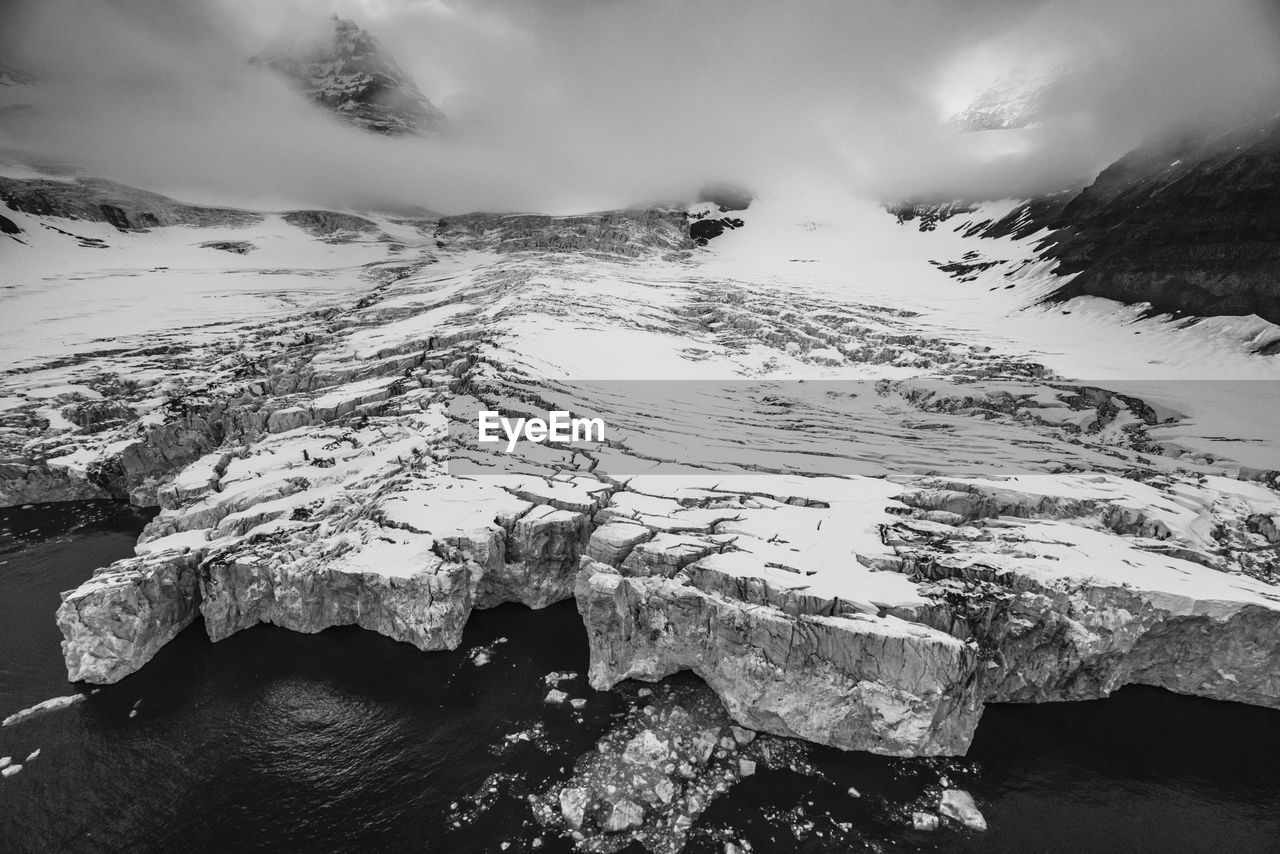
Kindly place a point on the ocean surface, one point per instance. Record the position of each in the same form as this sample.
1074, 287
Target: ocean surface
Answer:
348, 741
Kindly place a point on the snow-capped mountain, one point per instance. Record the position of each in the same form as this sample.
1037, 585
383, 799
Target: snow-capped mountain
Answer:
354, 76
1014, 101
1018, 99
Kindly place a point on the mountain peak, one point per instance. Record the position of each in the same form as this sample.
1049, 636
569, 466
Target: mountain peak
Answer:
352, 75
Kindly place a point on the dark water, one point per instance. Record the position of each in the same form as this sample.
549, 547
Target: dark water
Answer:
344, 741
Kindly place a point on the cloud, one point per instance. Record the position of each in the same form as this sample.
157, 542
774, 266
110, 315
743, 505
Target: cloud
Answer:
585, 104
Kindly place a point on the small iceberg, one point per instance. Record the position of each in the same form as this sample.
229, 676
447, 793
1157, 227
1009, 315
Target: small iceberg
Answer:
51, 705
959, 806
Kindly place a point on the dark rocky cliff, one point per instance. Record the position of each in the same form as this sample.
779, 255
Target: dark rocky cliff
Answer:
1190, 228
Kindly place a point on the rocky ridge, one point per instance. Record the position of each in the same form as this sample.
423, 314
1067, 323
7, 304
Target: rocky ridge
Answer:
1182, 226
354, 77
98, 200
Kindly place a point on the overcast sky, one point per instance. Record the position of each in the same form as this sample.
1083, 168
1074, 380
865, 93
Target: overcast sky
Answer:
585, 104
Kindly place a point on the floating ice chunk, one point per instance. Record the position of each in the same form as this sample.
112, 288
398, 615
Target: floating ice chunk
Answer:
49, 705
958, 805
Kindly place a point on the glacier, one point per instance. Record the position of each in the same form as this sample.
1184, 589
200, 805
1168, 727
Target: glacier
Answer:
981, 498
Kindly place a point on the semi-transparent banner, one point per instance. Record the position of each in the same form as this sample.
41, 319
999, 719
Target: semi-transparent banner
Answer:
883, 427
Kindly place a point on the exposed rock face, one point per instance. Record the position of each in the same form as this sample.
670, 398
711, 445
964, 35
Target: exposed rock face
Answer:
706, 227
327, 224
96, 200
353, 76
1188, 226
727, 196
238, 247
629, 234
928, 216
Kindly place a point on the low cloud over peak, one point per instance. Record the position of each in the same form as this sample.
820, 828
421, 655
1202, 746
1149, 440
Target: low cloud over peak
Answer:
581, 104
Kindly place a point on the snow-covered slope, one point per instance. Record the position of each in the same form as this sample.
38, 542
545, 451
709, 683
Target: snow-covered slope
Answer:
72, 286
1214, 372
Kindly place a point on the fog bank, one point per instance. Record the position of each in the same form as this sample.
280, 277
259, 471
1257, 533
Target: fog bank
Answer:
586, 104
